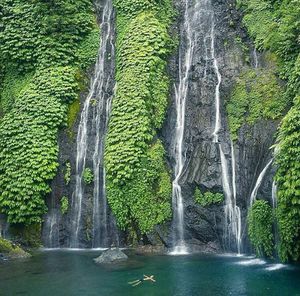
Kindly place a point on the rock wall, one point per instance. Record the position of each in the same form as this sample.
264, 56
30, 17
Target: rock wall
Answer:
205, 226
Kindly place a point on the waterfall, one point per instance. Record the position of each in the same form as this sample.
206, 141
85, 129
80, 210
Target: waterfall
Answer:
258, 182
232, 211
52, 228
181, 90
237, 217
255, 58
274, 195
99, 99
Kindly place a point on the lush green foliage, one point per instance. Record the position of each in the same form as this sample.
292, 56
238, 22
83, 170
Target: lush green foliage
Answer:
88, 176
43, 47
138, 184
260, 222
64, 205
256, 95
275, 26
208, 198
288, 181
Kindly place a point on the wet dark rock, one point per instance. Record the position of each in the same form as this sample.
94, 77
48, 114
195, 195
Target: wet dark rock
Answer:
203, 166
111, 256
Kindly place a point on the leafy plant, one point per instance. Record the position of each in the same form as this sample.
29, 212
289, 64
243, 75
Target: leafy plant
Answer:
43, 47
67, 175
208, 198
275, 26
260, 221
88, 176
138, 183
64, 205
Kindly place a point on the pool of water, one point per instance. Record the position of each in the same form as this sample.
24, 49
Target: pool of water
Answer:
74, 273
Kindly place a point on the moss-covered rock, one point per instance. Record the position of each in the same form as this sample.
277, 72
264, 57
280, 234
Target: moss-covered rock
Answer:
11, 251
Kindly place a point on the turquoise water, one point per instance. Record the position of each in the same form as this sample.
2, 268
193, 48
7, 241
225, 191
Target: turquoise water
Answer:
74, 273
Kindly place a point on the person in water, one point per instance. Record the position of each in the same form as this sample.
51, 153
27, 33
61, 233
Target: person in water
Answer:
139, 281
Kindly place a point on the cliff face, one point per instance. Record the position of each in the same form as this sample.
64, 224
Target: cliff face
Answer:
204, 226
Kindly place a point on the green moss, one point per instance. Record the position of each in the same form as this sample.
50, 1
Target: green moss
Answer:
73, 111
208, 198
260, 222
256, 95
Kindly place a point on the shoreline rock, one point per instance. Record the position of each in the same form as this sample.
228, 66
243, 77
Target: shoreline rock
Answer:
10, 251
111, 256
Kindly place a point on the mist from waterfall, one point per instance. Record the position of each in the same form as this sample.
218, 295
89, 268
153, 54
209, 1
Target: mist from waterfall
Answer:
94, 117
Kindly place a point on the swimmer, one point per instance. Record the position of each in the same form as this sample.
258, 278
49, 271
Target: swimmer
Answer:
139, 281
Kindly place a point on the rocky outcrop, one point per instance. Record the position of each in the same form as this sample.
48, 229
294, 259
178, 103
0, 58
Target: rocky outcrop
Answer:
9, 250
111, 256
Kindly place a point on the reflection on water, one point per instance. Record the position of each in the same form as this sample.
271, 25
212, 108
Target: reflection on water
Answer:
70, 273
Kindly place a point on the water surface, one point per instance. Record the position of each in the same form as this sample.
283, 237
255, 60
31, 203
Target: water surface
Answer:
74, 273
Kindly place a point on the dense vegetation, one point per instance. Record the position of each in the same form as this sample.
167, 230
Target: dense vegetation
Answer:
138, 182
44, 47
208, 198
260, 221
256, 95
275, 26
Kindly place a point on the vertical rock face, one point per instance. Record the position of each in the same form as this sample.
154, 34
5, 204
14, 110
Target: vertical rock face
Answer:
202, 168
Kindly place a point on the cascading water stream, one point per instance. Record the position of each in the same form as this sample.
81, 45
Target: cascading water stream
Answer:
98, 97
103, 109
181, 90
232, 211
258, 182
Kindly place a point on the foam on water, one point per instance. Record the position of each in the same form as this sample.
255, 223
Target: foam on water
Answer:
251, 262
276, 267
179, 251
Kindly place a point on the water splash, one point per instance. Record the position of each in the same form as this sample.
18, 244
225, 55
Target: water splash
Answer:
97, 97
258, 182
